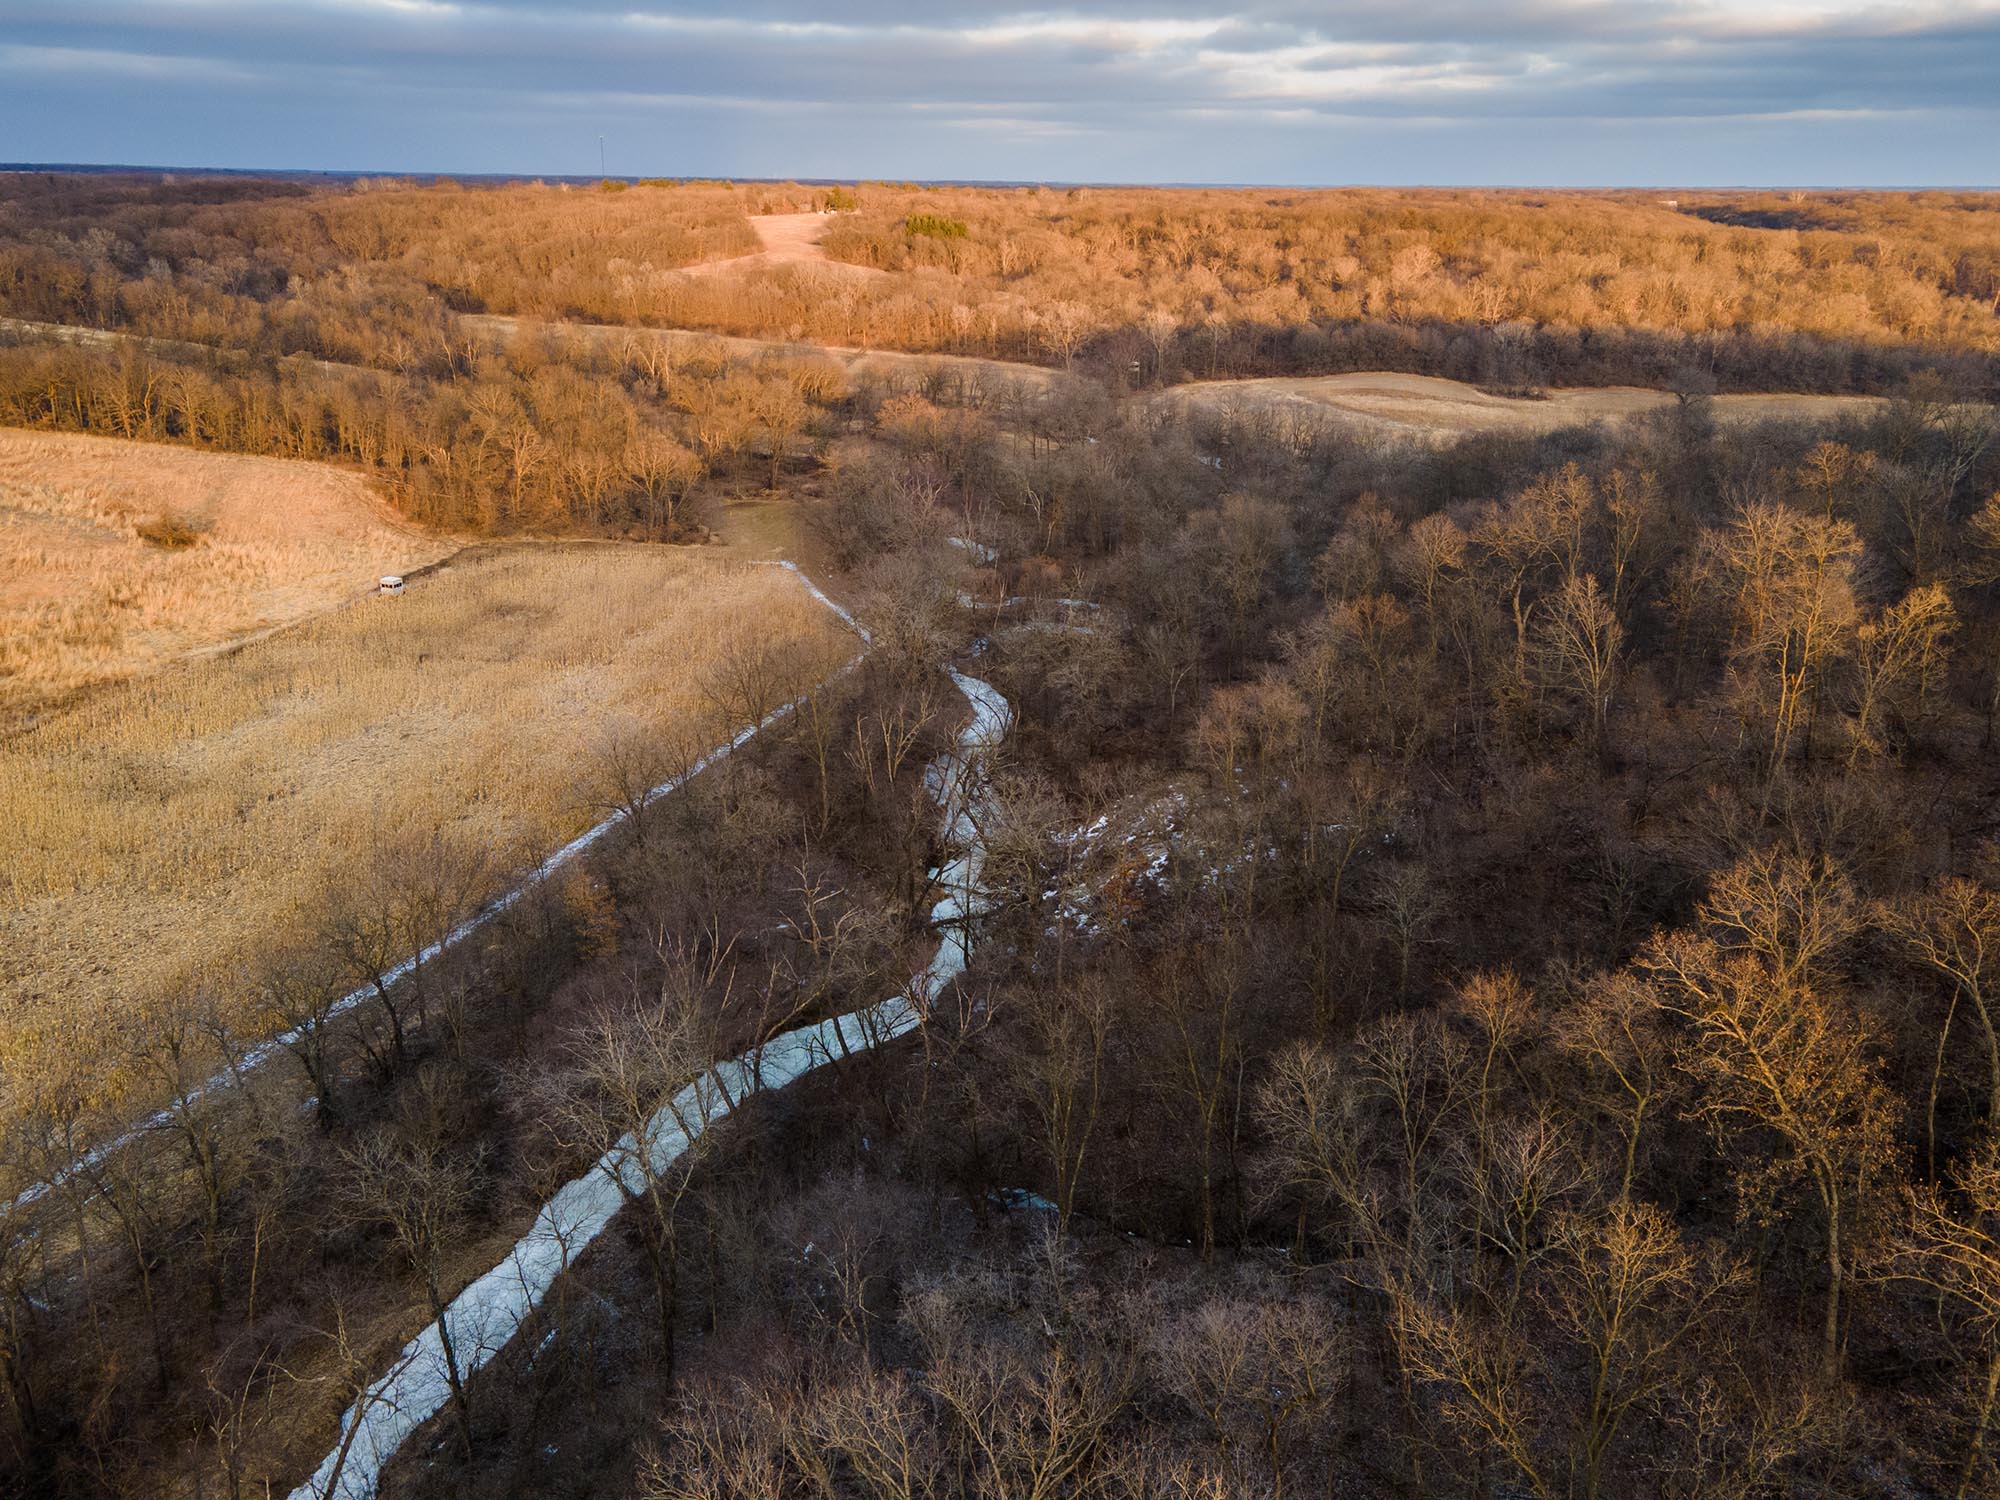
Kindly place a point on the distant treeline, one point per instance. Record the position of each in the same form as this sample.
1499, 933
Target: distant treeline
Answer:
1841, 292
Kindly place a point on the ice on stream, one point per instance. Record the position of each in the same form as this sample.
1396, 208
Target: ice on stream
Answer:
484, 1318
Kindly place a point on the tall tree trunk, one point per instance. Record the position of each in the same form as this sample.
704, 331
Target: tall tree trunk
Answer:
461, 1408
1830, 1351
1978, 1446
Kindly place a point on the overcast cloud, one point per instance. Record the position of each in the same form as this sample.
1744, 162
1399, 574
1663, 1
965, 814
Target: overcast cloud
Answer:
1432, 91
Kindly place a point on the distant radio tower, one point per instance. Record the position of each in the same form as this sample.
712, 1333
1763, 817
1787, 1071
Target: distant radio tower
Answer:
600, 156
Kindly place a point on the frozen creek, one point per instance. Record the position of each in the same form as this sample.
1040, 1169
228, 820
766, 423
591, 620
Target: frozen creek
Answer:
485, 1317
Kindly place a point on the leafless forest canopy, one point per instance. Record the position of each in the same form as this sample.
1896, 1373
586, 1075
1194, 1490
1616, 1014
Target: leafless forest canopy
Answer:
1490, 975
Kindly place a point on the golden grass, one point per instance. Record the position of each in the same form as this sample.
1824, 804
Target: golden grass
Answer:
1429, 406
237, 545
186, 820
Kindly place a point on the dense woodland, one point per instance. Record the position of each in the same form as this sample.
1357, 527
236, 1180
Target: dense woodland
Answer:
547, 435
1491, 987
1833, 292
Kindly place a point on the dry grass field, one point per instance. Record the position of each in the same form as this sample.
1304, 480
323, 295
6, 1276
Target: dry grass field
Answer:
1445, 409
179, 824
237, 545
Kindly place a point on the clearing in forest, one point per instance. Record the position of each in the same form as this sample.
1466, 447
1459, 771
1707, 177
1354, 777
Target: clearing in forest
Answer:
179, 828
788, 240
889, 364
118, 556
1425, 404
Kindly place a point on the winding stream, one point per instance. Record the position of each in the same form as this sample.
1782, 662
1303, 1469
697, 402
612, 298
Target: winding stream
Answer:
484, 1318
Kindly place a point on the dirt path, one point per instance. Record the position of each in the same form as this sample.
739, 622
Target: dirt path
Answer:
859, 361
788, 240
1427, 406
102, 338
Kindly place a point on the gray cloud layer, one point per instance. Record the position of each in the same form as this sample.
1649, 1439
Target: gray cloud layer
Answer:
1524, 91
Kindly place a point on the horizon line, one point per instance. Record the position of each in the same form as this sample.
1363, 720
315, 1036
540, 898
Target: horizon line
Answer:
633, 179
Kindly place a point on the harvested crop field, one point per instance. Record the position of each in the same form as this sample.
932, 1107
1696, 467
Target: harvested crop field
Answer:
174, 829
117, 556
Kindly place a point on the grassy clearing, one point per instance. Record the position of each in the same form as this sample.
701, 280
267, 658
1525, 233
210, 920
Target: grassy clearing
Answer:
116, 557
179, 824
1427, 406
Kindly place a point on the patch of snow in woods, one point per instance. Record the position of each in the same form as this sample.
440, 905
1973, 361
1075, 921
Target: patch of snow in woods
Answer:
1105, 861
1015, 601
1131, 851
484, 1317
979, 552
1020, 1198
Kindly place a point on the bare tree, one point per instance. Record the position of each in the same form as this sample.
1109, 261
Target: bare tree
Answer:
234, 1383
1790, 577
1414, 1075
1954, 931
171, 1049
349, 1370
422, 1195
1904, 647
19, 1242
1952, 1248
1204, 1064
817, 731
1408, 906
1064, 326
1308, 1112
389, 922
1482, 1375
663, 472
298, 996
781, 412
1028, 1424
633, 761
1777, 1059
1577, 645
1262, 1367
1615, 1033
636, 1092
1833, 476
1635, 1299
1059, 1075
716, 1448
878, 1422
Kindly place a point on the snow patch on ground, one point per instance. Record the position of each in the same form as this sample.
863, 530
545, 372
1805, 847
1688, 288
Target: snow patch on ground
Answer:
1020, 1198
1118, 858
979, 552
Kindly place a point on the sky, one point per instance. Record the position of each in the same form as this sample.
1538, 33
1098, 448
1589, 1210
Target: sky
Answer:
1474, 92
